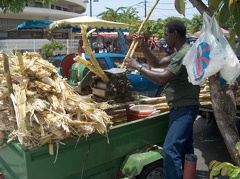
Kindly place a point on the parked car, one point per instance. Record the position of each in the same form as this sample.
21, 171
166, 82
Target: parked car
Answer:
191, 39
112, 60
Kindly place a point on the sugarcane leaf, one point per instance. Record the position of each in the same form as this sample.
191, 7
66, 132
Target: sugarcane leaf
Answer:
180, 6
223, 14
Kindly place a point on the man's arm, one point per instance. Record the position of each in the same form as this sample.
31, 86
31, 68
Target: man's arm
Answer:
152, 60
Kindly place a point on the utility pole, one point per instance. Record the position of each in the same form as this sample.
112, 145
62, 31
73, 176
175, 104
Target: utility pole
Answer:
145, 5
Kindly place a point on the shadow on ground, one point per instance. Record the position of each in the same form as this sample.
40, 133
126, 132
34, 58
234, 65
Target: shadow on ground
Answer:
209, 145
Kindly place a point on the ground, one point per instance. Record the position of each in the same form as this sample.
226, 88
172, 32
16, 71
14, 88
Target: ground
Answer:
209, 145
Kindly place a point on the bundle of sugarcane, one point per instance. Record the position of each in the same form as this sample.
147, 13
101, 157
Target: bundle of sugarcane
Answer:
205, 98
93, 64
159, 103
135, 43
156, 53
204, 95
46, 109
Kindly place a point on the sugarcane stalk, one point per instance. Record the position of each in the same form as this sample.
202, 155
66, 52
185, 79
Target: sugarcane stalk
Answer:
95, 63
161, 105
116, 111
10, 89
134, 43
89, 65
153, 100
119, 120
118, 116
20, 61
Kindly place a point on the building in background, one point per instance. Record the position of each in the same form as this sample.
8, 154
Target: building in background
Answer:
61, 9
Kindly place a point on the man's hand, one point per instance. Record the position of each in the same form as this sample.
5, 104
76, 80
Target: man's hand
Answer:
131, 63
138, 38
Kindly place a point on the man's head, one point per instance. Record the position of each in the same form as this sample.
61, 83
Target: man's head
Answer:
80, 42
174, 32
108, 43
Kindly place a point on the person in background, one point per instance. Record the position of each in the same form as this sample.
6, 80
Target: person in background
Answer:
80, 46
109, 47
153, 45
182, 96
149, 45
96, 49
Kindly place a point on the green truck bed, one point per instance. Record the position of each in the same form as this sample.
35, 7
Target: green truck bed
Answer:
90, 158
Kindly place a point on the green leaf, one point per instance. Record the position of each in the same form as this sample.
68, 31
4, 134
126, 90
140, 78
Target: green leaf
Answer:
235, 174
231, 5
214, 170
223, 14
237, 27
232, 41
236, 15
180, 6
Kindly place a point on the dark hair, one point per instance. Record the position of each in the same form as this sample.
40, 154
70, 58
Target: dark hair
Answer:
178, 26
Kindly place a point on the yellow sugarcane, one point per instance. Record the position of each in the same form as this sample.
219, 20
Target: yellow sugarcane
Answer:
89, 65
93, 60
134, 43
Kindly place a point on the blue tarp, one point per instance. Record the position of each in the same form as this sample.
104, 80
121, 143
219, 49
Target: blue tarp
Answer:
122, 43
41, 24
34, 24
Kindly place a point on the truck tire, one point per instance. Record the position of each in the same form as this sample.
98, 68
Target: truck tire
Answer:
160, 92
152, 171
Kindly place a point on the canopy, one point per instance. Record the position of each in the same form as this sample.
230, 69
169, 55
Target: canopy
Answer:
113, 34
40, 24
34, 24
91, 22
225, 32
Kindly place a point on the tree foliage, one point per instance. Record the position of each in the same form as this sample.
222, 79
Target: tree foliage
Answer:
127, 15
17, 6
197, 23
226, 11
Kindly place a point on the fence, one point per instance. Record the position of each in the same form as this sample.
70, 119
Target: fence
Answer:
34, 45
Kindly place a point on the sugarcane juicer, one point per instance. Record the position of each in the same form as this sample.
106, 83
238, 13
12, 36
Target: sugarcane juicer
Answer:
119, 86
85, 82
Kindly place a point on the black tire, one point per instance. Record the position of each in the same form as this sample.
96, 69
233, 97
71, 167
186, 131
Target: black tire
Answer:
160, 92
152, 171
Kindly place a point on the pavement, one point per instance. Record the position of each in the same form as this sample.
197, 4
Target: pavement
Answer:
208, 146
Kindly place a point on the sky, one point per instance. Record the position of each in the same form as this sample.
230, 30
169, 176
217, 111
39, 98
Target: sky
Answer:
164, 9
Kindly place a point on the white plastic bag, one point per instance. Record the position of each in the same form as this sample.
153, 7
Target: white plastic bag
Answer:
206, 57
231, 70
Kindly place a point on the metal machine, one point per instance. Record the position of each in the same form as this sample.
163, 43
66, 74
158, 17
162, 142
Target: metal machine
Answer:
85, 82
119, 86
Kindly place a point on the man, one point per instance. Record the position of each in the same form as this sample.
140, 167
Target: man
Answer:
182, 96
109, 47
80, 47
